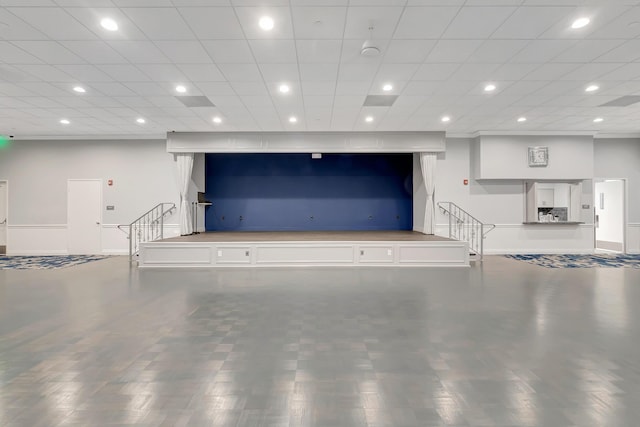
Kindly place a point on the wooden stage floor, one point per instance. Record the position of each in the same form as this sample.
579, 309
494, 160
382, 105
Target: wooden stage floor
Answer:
308, 236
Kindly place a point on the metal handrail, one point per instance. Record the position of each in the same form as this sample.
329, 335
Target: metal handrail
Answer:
147, 227
464, 226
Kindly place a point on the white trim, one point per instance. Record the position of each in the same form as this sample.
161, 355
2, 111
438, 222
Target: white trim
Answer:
156, 136
6, 206
38, 226
533, 133
305, 142
628, 135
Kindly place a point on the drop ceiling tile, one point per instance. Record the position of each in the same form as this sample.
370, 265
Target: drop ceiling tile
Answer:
110, 89
316, 23
531, 22
163, 73
324, 102
356, 72
256, 88
541, 51
47, 89
453, 50
47, 73
241, 72
54, 22
160, 23
50, 52
256, 101
273, 51
91, 17
280, 72
15, 28
318, 51
477, 22
13, 54
435, 71
95, 52
355, 87
424, 22
408, 51
359, 19
318, 88
212, 89
124, 73
229, 104
229, 51
147, 89
249, 17
475, 72
184, 51
396, 72
511, 71
623, 73
627, 52
588, 72
421, 88
139, 52
587, 50
551, 71
201, 72
85, 73
213, 23
497, 51
318, 72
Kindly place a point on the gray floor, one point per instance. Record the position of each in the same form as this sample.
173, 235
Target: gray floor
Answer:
505, 344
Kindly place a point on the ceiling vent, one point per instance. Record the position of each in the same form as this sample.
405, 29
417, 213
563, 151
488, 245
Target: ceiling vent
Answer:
624, 101
195, 101
379, 100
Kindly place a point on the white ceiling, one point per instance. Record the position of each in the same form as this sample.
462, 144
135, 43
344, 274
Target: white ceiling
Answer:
438, 54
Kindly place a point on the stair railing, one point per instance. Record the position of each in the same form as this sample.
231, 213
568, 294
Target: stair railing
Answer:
146, 228
463, 226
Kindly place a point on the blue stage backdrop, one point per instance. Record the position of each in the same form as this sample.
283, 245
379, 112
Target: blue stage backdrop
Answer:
278, 192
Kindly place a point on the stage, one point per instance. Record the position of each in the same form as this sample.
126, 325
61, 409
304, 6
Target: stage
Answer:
305, 248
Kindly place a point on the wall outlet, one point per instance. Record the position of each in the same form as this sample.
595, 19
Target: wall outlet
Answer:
241, 217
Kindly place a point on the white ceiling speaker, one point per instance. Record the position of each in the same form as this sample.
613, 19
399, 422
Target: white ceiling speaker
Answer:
368, 47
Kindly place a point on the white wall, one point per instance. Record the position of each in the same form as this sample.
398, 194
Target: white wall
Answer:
506, 157
143, 175
620, 158
501, 202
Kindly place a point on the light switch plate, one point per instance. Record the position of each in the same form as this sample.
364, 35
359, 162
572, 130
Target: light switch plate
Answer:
586, 206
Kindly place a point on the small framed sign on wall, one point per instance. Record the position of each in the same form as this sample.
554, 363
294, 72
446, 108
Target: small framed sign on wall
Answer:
538, 156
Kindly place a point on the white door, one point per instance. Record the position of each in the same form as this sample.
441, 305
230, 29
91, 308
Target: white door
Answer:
609, 208
4, 209
84, 216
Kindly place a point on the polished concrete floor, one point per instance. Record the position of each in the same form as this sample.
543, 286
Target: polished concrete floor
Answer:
504, 344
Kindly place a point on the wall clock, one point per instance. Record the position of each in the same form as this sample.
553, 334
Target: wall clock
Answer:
538, 156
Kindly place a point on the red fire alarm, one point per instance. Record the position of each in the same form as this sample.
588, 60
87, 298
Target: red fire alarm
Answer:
110, 182
465, 182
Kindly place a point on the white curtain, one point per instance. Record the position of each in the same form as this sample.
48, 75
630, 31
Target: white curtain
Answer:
428, 167
185, 166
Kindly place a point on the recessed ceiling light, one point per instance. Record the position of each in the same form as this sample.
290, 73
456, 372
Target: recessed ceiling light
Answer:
368, 119
598, 120
217, 120
181, 89
109, 24
522, 119
580, 22
79, 89
266, 23
293, 119
592, 88
65, 121
141, 120
387, 87
284, 88
490, 88
446, 119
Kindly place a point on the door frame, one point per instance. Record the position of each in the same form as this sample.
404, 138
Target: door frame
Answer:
101, 205
625, 210
6, 206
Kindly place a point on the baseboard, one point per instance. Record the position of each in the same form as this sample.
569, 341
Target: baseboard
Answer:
38, 252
